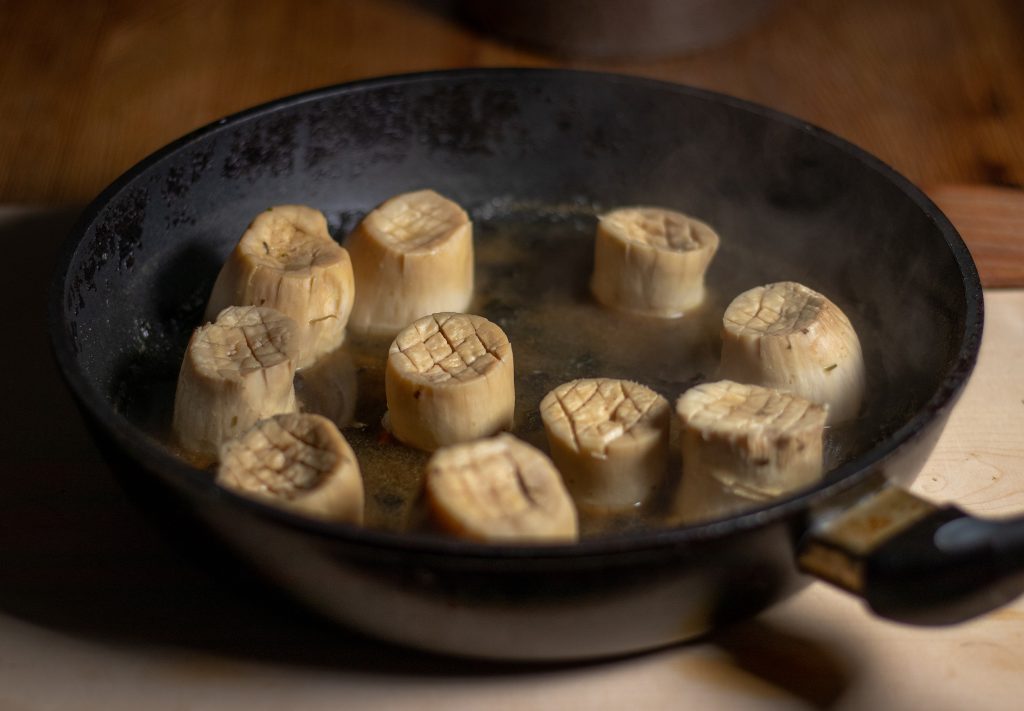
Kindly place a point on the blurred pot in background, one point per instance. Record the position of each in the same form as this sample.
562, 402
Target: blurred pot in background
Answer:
616, 28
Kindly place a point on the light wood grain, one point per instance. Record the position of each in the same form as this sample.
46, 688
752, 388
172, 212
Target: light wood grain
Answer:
979, 462
87, 89
991, 221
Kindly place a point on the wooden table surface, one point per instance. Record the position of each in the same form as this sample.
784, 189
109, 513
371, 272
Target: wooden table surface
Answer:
97, 611
933, 87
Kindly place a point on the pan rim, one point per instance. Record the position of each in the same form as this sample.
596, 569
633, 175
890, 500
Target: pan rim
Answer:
143, 448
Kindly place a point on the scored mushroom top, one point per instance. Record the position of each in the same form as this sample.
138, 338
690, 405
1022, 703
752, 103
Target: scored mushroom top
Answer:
786, 335
593, 413
743, 445
449, 347
420, 221
449, 378
300, 461
727, 407
286, 456
609, 439
651, 260
780, 310
292, 238
659, 228
236, 371
499, 489
287, 260
411, 256
243, 339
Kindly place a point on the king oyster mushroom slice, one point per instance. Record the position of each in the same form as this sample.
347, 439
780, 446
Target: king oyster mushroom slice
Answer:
449, 379
297, 461
236, 371
651, 261
413, 256
499, 490
744, 445
609, 439
785, 335
287, 260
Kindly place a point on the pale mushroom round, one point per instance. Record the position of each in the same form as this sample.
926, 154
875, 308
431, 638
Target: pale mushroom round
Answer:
412, 256
609, 439
288, 261
236, 371
448, 379
744, 445
499, 490
300, 462
787, 336
651, 261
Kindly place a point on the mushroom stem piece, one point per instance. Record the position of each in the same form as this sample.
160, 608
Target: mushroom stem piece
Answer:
236, 371
288, 261
744, 445
609, 438
787, 336
298, 462
412, 256
499, 490
651, 261
449, 379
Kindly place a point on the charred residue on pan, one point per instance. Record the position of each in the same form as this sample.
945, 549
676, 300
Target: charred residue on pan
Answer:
462, 120
118, 234
262, 146
376, 122
146, 374
177, 184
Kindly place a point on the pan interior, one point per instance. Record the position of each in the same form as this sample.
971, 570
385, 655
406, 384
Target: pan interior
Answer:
534, 157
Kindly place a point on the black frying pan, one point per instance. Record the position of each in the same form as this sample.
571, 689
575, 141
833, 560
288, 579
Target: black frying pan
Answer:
534, 155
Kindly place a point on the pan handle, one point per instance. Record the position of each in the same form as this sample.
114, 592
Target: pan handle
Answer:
915, 562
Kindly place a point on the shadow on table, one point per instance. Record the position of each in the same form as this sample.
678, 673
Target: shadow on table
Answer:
76, 556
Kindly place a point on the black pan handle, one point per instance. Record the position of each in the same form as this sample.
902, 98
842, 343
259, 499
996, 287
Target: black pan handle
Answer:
915, 562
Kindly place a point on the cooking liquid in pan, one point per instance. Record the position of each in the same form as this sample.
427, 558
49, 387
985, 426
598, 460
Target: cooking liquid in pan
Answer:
532, 272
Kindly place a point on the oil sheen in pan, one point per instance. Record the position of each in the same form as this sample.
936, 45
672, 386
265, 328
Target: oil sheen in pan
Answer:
532, 272
533, 264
